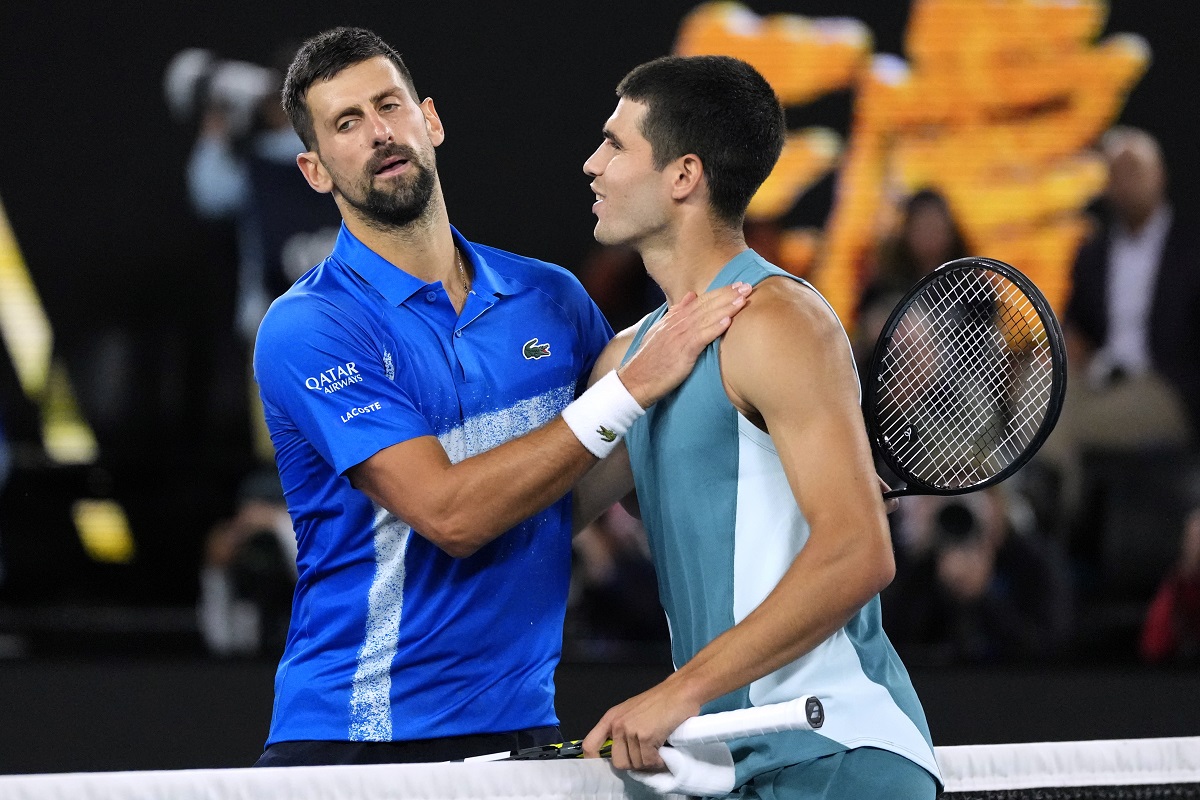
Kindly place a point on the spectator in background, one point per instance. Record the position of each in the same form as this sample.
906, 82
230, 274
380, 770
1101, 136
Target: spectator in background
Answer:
614, 605
928, 237
1133, 318
249, 177
975, 583
249, 573
1172, 627
1132, 328
242, 169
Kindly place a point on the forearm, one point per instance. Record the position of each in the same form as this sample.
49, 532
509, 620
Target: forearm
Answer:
521, 478
608, 482
445, 502
461, 507
802, 611
814, 599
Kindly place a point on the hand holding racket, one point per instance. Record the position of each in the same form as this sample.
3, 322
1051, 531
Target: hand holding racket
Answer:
803, 713
967, 379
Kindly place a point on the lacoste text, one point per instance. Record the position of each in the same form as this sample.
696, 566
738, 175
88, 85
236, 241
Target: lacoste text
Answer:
354, 412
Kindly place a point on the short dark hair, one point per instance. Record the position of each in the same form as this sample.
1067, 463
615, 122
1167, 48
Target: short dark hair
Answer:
719, 108
322, 57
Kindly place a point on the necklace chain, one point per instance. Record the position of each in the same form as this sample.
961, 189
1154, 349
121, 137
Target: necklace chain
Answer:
462, 271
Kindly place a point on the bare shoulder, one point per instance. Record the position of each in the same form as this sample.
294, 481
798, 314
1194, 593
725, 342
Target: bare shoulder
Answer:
783, 315
786, 343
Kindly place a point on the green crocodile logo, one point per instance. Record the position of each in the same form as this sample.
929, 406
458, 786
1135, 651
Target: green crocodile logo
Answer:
607, 434
532, 350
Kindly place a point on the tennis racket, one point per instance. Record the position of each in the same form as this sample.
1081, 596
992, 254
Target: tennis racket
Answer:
803, 713
967, 379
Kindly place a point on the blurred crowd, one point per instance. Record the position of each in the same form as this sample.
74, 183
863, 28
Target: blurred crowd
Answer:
1092, 551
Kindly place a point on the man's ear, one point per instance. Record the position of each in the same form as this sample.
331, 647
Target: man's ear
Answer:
314, 172
687, 176
433, 123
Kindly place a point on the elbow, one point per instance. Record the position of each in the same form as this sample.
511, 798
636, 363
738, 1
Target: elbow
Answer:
455, 533
874, 567
453, 539
883, 569
458, 548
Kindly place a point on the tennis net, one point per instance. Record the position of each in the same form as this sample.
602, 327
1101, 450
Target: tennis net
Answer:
1128, 769
1131, 769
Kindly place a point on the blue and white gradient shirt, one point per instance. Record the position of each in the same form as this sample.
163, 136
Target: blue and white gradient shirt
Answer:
391, 639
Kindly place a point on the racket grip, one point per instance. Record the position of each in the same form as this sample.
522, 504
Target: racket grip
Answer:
802, 714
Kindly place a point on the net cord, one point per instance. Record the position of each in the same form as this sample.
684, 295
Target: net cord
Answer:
974, 768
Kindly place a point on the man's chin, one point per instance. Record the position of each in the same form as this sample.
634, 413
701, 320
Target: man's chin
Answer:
604, 236
601, 235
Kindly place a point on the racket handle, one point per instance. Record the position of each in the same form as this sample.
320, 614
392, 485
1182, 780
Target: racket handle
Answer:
802, 714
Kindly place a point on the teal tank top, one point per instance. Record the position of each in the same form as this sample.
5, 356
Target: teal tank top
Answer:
723, 527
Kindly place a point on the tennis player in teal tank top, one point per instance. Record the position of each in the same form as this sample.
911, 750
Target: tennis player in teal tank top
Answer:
754, 478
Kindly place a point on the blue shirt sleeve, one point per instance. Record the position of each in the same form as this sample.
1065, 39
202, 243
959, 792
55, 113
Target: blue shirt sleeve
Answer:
322, 377
594, 331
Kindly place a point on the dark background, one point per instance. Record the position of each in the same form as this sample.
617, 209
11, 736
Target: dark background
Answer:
93, 184
70, 716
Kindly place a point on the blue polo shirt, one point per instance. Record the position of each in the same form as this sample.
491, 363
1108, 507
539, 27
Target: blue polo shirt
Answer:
391, 639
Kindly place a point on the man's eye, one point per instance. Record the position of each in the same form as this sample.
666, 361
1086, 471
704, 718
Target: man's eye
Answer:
345, 124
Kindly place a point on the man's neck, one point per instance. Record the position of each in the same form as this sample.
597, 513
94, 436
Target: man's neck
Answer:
689, 260
1133, 222
424, 248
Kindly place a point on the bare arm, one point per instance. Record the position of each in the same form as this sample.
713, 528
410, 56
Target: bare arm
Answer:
803, 388
611, 479
461, 507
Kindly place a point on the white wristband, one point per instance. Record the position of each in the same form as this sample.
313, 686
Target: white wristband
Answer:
602, 415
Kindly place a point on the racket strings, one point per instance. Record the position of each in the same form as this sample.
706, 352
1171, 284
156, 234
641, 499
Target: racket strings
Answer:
965, 380
972, 397
978, 412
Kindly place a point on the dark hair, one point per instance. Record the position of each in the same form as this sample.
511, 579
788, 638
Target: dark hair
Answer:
903, 261
322, 57
719, 108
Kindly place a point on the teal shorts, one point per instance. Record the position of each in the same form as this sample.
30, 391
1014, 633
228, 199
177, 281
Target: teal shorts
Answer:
865, 773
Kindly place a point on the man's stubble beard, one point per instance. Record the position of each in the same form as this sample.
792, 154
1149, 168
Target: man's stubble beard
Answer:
408, 201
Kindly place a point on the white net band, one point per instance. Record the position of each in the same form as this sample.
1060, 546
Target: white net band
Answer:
977, 768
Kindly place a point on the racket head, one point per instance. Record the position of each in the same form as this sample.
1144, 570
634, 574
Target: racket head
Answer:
947, 425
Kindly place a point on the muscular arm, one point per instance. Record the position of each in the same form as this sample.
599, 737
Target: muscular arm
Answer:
786, 364
461, 507
610, 480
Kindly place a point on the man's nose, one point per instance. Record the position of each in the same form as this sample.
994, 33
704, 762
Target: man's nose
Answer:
592, 166
381, 131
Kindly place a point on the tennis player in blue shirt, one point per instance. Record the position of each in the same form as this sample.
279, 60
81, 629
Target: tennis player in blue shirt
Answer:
422, 393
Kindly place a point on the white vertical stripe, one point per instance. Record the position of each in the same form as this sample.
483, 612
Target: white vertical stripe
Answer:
371, 693
769, 528
770, 532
